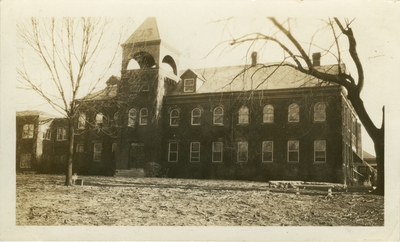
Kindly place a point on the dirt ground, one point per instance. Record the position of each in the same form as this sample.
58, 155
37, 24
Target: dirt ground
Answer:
44, 200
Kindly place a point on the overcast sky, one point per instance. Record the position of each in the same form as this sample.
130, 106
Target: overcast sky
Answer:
196, 27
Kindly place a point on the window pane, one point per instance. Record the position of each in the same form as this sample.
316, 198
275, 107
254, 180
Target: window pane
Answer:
195, 146
99, 118
174, 117
189, 85
218, 115
268, 114
243, 115
319, 112
293, 151
173, 146
196, 114
82, 121
173, 156
143, 116
242, 151
293, 113
293, 156
293, 145
132, 117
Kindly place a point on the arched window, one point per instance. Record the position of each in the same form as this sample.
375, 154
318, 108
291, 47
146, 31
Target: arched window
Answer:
244, 115
218, 116
115, 119
144, 114
319, 112
293, 113
82, 121
132, 117
174, 117
268, 114
196, 116
99, 118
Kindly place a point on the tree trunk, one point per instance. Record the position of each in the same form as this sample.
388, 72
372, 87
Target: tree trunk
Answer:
71, 133
380, 162
376, 134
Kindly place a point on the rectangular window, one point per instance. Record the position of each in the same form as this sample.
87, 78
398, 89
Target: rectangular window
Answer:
267, 151
242, 151
188, 85
293, 151
97, 147
47, 134
79, 148
61, 134
195, 152
27, 131
173, 152
25, 160
145, 87
319, 151
217, 151
114, 147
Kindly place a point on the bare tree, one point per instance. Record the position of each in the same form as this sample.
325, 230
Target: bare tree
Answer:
301, 61
62, 61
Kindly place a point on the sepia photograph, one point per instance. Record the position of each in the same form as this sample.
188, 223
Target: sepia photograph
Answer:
199, 120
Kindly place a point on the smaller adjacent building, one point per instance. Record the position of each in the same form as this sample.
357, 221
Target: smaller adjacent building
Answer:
42, 144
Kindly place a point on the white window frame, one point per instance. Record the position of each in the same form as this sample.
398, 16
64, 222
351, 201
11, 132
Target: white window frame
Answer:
294, 113
173, 151
115, 118
175, 117
195, 154
114, 147
293, 150
99, 119
245, 145
80, 148
25, 161
143, 118
243, 117
215, 152
47, 134
186, 87
269, 151
82, 121
61, 134
27, 131
196, 117
268, 114
317, 149
218, 116
319, 112
97, 152
132, 114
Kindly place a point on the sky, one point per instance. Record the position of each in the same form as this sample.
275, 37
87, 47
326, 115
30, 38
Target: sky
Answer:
198, 28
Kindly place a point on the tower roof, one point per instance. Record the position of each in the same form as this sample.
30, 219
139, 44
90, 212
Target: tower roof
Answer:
147, 31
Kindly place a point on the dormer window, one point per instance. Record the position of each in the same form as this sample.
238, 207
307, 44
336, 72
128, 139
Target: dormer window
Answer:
188, 85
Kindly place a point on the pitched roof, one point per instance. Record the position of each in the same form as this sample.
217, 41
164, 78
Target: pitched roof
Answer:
258, 77
105, 94
367, 155
34, 113
147, 31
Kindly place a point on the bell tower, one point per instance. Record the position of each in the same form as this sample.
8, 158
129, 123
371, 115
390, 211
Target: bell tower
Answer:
149, 67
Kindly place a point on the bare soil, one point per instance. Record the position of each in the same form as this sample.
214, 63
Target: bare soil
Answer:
44, 200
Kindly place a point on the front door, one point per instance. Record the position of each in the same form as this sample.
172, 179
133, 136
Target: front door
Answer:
136, 156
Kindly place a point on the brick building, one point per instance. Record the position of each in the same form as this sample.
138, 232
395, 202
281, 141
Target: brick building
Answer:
255, 121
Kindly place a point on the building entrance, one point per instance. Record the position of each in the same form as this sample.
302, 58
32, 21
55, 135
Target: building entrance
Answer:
136, 156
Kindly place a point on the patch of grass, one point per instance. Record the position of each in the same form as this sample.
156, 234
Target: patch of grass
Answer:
119, 201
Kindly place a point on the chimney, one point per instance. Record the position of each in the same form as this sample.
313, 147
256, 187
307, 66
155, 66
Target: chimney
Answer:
253, 58
316, 58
